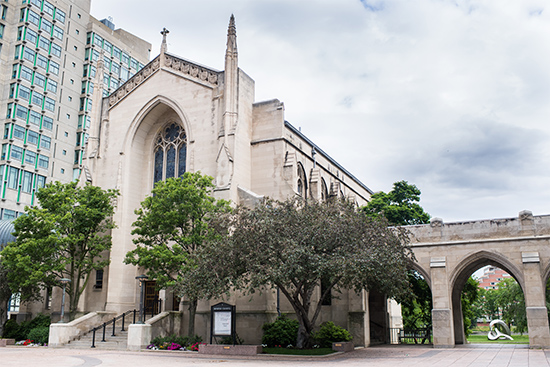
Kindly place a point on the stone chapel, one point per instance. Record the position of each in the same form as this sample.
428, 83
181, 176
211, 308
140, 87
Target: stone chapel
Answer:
174, 116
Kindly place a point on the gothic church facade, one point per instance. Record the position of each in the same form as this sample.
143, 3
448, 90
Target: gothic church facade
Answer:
175, 116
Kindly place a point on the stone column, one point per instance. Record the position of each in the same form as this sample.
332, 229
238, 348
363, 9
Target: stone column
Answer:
535, 301
442, 315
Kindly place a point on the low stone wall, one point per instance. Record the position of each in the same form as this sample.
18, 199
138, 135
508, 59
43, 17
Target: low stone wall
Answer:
4, 342
342, 346
232, 350
164, 324
62, 333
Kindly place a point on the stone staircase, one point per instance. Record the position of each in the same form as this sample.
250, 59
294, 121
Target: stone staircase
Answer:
118, 342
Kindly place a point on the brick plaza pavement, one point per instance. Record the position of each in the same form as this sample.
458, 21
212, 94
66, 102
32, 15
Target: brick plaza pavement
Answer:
411, 356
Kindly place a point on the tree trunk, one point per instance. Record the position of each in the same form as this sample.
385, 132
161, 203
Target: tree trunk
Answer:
303, 336
4, 304
192, 312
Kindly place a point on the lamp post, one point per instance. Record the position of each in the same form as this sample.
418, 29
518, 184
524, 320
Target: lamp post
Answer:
141, 278
63, 281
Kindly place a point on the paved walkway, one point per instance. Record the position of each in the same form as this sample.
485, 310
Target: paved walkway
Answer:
410, 356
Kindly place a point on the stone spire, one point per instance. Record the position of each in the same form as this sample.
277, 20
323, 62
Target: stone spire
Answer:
231, 75
163, 45
224, 174
232, 38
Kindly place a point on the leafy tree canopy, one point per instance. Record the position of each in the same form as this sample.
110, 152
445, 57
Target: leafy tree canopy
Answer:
416, 309
294, 244
63, 238
172, 225
468, 298
399, 206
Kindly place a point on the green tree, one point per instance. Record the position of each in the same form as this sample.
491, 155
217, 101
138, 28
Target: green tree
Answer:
66, 237
295, 244
172, 225
511, 300
399, 206
416, 309
5, 295
468, 298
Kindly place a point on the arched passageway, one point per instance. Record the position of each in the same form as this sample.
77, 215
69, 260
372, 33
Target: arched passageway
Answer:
450, 253
461, 276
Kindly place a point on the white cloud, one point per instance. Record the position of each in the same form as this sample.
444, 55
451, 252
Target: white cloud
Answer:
449, 95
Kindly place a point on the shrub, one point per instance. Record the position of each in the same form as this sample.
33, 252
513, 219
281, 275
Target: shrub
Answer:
12, 330
330, 333
39, 334
21, 331
283, 331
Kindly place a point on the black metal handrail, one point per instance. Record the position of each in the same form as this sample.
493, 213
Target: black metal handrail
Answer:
113, 321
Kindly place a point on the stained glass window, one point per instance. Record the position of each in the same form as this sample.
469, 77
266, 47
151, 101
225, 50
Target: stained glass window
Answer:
170, 152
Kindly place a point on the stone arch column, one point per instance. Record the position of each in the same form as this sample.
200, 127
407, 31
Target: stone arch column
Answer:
535, 301
442, 316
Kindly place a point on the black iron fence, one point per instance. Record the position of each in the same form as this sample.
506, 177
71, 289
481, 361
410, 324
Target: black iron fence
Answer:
411, 336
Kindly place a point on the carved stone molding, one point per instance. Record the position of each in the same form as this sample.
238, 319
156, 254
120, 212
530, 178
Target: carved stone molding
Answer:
134, 81
196, 71
203, 74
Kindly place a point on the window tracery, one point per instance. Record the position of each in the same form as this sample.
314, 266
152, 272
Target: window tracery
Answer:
170, 153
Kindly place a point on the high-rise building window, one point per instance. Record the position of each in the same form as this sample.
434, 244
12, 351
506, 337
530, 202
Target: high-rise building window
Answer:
49, 104
54, 68
24, 93
52, 86
48, 8
45, 142
55, 50
46, 26
58, 33
16, 153
43, 161
30, 157
47, 123
26, 182
34, 18
29, 54
13, 178
39, 79
60, 16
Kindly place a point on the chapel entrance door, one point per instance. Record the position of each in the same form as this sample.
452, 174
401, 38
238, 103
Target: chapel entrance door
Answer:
151, 301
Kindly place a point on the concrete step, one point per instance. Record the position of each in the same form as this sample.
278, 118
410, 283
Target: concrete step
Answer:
118, 342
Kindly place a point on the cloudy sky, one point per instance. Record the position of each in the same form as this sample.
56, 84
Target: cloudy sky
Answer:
451, 95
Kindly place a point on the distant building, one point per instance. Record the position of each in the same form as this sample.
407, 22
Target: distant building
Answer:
491, 277
49, 52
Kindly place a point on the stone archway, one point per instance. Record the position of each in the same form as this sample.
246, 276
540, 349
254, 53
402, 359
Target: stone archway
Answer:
459, 278
453, 251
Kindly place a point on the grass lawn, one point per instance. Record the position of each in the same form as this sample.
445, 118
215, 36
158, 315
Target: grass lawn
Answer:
518, 339
299, 352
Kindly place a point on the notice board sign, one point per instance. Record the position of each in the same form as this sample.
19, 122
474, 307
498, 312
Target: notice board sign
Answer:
222, 321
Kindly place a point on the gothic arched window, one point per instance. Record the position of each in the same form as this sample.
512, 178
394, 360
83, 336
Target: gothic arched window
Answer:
170, 152
324, 190
302, 183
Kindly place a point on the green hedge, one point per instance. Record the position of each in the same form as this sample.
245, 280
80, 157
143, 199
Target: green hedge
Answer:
282, 332
330, 333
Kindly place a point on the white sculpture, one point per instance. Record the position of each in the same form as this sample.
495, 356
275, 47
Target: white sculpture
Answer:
495, 333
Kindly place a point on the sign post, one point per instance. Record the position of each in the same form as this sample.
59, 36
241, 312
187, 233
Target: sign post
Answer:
222, 321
